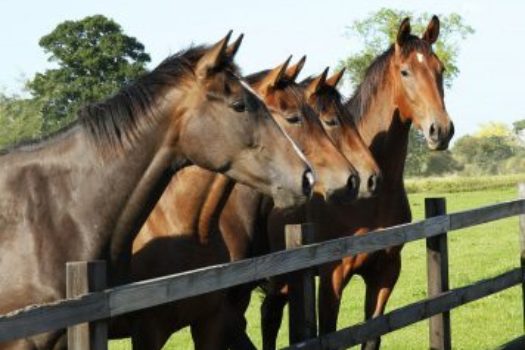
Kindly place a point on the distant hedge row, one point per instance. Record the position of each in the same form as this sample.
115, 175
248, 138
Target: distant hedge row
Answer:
462, 184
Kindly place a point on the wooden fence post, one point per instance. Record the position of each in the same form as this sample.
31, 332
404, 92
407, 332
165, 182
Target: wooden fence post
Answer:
521, 195
301, 288
437, 273
83, 277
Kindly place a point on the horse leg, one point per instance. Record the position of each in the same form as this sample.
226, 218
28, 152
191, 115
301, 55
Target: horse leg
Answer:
238, 302
61, 343
380, 281
210, 333
272, 314
148, 331
332, 280
237, 338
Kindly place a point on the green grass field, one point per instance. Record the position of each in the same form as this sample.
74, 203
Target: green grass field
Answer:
474, 254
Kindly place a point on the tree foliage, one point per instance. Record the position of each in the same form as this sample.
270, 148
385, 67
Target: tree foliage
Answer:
93, 58
483, 154
378, 31
421, 162
518, 126
498, 129
19, 119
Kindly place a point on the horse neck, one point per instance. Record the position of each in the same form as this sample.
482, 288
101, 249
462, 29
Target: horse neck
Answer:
386, 134
134, 181
213, 206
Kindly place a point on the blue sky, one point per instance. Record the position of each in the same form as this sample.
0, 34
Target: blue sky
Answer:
491, 61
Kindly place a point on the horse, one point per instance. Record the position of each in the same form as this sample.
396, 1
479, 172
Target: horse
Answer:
84, 192
402, 86
184, 229
324, 97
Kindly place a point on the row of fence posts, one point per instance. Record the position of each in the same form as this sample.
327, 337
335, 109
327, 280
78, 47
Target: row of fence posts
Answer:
302, 317
84, 277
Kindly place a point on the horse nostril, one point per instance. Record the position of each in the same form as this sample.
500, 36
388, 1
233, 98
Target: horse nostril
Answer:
432, 131
374, 183
308, 182
353, 183
435, 132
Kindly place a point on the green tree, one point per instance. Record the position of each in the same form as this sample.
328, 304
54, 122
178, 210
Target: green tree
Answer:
518, 127
421, 162
20, 119
94, 58
416, 158
494, 129
440, 163
483, 154
378, 31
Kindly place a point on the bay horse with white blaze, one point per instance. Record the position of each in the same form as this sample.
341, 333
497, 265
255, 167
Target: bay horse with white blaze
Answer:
84, 193
403, 86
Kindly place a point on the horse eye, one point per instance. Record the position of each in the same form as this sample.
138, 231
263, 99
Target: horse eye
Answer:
294, 119
331, 122
405, 73
239, 106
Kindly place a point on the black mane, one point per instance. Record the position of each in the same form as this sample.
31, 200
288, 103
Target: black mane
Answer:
120, 119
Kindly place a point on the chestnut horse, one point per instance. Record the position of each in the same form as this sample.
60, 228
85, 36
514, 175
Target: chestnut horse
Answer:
84, 192
182, 231
323, 96
403, 86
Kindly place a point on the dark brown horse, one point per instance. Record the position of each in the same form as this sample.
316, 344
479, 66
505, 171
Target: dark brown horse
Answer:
403, 86
84, 193
182, 231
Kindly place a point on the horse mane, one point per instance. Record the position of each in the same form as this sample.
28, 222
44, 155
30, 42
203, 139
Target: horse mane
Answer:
329, 96
116, 122
120, 119
375, 75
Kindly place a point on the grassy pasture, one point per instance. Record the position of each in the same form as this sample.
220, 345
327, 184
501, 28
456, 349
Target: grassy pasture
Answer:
475, 253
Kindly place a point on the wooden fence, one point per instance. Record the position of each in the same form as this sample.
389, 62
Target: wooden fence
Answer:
100, 304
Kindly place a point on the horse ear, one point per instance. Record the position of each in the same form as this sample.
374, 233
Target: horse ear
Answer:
274, 76
317, 83
232, 49
213, 57
404, 32
432, 32
293, 71
334, 79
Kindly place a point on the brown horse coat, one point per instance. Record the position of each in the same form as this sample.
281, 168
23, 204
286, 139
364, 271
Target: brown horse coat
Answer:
402, 86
